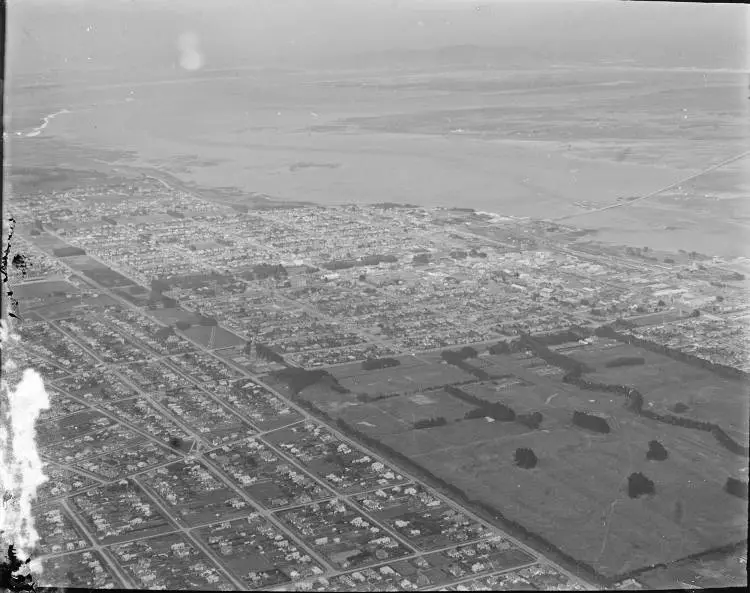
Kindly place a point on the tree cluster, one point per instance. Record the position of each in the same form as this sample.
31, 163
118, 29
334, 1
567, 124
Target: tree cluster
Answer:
590, 422
456, 356
267, 353
639, 485
430, 422
736, 488
265, 271
724, 371
541, 349
379, 363
525, 458
163, 333
500, 348
298, 379
531, 420
369, 260
496, 411
656, 451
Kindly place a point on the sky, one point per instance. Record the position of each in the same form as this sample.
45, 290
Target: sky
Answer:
143, 37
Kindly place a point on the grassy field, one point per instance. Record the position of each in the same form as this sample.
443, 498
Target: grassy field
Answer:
666, 382
714, 571
576, 498
44, 288
411, 376
172, 315
213, 337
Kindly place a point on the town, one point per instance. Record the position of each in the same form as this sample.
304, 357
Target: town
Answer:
205, 361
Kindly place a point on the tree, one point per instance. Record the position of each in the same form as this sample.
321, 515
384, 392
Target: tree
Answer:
176, 442
532, 420
695, 313
736, 487
164, 332
500, 348
679, 512
639, 485
430, 422
525, 458
625, 361
183, 325
656, 451
590, 422
379, 363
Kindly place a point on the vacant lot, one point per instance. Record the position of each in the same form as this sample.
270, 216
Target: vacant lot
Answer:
213, 336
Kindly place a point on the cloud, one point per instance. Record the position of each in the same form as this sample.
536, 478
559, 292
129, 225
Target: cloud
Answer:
21, 469
191, 57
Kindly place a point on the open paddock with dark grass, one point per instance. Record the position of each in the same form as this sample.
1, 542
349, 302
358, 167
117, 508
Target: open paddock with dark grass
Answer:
456, 436
500, 365
43, 289
55, 309
420, 406
213, 336
708, 572
405, 378
576, 496
393, 414
665, 382
249, 362
171, 315
107, 277
354, 369
525, 397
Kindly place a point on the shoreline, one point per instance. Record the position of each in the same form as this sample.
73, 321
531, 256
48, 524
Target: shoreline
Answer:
46, 120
